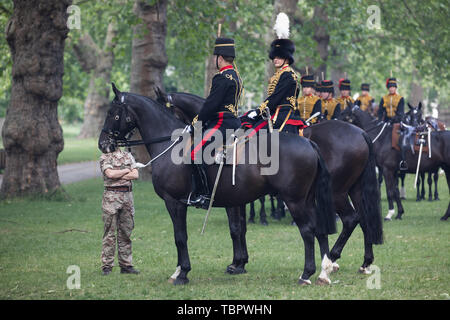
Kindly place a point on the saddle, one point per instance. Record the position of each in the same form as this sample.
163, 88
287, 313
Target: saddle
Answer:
411, 137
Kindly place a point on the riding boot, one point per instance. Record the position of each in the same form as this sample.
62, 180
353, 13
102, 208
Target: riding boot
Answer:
200, 196
403, 165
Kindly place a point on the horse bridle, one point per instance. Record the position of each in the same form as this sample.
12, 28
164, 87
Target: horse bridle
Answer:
131, 127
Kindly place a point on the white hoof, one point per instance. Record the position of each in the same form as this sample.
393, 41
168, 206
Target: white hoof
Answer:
365, 270
175, 274
303, 282
335, 267
323, 281
390, 214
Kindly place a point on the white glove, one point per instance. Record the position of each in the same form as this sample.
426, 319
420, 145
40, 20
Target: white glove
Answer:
252, 115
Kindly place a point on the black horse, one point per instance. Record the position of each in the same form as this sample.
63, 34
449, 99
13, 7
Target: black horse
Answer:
306, 189
347, 153
414, 117
388, 158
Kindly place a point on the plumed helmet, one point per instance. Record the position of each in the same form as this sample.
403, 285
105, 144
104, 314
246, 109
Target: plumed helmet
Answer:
327, 86
282, 47
307, 81
365, 87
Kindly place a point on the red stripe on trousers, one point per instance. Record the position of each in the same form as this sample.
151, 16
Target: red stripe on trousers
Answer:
206, 138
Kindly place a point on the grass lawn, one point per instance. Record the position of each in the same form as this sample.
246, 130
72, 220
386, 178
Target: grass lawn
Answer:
77, 150
36, 249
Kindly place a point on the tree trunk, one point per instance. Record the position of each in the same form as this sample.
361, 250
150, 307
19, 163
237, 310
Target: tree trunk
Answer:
32, 135
149, 59
416, 94
98, 62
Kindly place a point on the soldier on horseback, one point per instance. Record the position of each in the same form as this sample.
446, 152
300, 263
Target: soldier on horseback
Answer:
365, 100
282, 90
219, 112
308, 104
345, 99
330, 106
392, 109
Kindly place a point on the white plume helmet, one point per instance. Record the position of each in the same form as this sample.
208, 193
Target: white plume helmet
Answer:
282, 26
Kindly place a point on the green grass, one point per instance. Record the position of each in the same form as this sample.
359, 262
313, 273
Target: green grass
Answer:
75, 149
34, 254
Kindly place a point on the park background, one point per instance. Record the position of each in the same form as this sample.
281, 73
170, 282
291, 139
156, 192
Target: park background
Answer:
168, 43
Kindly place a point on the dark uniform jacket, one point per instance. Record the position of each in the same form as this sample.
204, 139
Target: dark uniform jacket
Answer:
223, 97
281, 99
392, 108
219, 111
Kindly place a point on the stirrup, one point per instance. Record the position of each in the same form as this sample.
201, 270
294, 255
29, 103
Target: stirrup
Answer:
201, 202
403, 165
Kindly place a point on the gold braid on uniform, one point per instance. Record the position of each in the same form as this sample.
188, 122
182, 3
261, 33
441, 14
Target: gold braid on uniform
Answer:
239, 95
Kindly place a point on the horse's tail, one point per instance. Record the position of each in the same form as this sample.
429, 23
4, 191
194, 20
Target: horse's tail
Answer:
325, 213
371, 218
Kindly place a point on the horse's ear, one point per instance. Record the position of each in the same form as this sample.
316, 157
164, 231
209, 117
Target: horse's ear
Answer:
115, 90
420, 106
410, 106
159, 93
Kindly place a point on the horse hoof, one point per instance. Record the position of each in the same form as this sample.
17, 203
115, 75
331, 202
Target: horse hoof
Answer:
264, 223
387, 219
335, 267
303, 282
323, 282
231, 269
251, 221
363, 270
398, 217
178, 281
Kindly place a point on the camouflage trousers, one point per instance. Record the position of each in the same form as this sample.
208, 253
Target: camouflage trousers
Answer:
118, 217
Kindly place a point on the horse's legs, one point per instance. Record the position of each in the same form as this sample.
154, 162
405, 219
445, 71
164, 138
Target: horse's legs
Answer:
350, 220
356, 196
435, 178
422, 191
303, 216
177, 212
430, 184
251, 219
380, 176
236, 230
243, 236
280, 207
262, 212
402, 189
447, 175
392, 194
418, 196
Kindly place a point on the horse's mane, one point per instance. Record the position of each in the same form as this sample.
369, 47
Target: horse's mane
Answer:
147, 102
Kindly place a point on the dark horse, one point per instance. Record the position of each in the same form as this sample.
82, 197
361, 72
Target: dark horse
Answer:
347, 152
306, 188
388, 158
414, 117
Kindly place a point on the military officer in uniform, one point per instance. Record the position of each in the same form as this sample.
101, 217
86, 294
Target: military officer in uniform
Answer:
345, 99
392, 109
308, 104
330, 106
282, 91
365, 100
119, 169
219, 112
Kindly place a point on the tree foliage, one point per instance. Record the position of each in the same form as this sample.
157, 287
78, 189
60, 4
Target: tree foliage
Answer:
413, 42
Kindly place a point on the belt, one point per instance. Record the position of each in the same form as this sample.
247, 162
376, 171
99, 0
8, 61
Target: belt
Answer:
119, 189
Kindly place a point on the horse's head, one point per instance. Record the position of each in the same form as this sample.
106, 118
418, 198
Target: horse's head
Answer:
161, 97
119, 123
347, 114
414, 116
